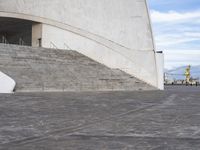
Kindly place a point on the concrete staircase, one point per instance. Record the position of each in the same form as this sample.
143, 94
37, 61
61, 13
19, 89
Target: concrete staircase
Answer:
39, 69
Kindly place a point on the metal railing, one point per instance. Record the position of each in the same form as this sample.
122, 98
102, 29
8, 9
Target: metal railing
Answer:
4, 40
73, 75
21, 41
67, 47
18, 41
52, 45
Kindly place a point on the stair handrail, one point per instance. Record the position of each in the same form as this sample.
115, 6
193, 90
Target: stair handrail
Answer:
67, 46
52, 45
21, 41
4, 40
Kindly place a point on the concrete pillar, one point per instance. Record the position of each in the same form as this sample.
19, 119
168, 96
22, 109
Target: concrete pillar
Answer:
160, 70
37, 35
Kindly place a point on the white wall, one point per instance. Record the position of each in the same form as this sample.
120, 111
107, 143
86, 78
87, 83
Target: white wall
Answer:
160, 70
124, 22
7, 84
141, 64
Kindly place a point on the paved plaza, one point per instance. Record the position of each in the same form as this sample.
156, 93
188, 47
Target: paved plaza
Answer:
152, 120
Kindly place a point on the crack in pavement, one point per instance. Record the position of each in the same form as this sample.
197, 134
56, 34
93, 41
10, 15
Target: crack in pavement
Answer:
71, 130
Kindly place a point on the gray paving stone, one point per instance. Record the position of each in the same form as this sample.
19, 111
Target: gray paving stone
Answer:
151, 120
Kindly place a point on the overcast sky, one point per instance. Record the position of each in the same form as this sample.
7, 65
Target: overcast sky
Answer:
176, 25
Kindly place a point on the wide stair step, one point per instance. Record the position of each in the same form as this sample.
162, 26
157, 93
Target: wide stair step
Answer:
40, 69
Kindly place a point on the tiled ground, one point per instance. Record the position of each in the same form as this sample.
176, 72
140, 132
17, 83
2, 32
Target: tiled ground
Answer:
153, 120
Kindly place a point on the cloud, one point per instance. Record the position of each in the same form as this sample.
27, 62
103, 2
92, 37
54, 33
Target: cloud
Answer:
175, 58
172, 16
172, 28
175, 39
178, 35
192, 34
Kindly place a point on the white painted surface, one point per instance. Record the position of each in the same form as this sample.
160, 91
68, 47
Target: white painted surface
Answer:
124, 22
36, 34
7, 84
160, 70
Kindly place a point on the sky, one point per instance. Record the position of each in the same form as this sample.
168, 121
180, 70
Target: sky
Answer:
176, 26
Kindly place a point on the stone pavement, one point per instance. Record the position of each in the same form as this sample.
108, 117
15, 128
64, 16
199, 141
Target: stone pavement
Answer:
152, 120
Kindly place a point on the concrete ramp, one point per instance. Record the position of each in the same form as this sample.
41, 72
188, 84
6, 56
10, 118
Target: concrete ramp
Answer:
7, 84
40, 69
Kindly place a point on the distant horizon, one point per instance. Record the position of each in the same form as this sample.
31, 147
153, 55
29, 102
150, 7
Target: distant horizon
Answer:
178, 73
176, 30
181, 67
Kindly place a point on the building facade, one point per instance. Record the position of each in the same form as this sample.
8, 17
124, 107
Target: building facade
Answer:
116, 33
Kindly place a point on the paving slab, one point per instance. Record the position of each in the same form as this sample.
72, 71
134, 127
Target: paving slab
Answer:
151, 120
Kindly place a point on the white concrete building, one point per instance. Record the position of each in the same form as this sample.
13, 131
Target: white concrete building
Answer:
116, 33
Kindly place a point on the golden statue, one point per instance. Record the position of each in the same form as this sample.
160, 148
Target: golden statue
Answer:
187, 74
